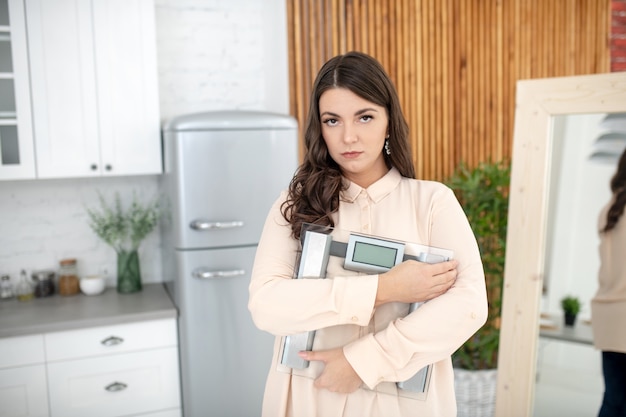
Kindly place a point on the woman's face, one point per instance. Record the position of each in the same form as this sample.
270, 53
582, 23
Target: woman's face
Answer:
354, 130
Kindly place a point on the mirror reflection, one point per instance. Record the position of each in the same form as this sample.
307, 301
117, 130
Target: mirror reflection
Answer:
585, 149
531, 283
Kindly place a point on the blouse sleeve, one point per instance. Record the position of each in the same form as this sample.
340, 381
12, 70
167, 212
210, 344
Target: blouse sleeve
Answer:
282, 305
438, 327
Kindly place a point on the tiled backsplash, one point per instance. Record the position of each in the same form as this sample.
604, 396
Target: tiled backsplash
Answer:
44, 221
212, 54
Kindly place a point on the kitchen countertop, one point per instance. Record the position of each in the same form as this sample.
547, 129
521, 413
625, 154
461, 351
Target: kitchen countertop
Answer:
59, 313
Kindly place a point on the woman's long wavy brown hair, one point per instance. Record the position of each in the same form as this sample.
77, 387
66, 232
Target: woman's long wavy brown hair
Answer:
314, 190
618, 187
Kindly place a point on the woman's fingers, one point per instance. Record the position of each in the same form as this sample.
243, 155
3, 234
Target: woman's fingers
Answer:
413, 281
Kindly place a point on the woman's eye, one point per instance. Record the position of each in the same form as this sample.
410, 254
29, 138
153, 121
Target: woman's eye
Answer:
330, 122
366, 118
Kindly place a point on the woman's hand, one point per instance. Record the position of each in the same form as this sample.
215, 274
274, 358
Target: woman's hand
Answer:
413, 281
338, 375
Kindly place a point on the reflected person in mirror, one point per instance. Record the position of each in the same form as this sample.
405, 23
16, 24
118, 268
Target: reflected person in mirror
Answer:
358, 176
608, 306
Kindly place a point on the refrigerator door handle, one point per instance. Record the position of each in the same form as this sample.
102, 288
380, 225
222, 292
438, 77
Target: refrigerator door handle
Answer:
203, 224
205, 273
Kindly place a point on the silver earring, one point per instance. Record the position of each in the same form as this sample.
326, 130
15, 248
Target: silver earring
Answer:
387, 150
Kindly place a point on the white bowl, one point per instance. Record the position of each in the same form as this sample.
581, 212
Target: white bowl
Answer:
92, 284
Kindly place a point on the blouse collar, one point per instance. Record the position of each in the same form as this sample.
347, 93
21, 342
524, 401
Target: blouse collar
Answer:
376, 192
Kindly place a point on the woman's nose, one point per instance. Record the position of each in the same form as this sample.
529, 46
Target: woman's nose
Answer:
349, 134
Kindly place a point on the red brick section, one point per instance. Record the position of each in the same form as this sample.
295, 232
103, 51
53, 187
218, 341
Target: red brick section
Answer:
618, 35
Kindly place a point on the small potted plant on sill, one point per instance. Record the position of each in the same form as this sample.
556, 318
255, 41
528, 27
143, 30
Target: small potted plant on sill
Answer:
124, 230
571, 307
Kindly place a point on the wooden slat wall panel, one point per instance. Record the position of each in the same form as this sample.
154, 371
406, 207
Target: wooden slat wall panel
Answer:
454, 62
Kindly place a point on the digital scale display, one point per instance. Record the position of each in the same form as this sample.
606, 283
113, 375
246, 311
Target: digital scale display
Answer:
372, 255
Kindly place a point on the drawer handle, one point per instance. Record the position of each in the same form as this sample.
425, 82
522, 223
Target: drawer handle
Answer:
116, 386
112, 341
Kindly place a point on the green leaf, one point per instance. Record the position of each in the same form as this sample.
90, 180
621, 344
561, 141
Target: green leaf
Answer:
123, 229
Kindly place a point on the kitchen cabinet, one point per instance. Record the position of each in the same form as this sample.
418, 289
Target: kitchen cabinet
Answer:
17, 158
118, 370
93, 88
23, 377
114, 370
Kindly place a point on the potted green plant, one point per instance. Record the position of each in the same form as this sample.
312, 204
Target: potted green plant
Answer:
124, 230
483, 192
571, 307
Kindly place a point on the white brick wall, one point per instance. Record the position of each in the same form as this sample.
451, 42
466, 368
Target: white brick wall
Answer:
44, 221
212, 54
222, 54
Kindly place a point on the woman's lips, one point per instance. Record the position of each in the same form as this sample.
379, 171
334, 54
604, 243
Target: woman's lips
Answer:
350, 155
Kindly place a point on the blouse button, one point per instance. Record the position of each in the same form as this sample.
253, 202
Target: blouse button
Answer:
355, 318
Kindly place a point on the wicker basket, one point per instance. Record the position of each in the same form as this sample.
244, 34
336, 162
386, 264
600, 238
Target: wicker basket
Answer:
475, 392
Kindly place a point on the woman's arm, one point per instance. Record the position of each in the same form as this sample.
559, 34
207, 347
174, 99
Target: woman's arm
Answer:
436, 329
282, 305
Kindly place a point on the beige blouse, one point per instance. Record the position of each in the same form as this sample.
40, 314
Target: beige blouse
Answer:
382, 345
608, 306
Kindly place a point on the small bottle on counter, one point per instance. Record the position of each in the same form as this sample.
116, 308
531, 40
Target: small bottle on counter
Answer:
68, 277
6, 288
44, 283
24, 288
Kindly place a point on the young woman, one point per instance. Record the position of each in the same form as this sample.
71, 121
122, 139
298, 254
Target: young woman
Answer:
608, 307
358, 176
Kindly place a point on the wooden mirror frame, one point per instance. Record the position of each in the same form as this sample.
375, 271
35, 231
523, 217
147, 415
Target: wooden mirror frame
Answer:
537, 102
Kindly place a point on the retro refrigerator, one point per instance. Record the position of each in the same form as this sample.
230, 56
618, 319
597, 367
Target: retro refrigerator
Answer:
222, 172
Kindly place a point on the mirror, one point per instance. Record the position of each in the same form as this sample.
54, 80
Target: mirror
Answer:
538, 103
569, 372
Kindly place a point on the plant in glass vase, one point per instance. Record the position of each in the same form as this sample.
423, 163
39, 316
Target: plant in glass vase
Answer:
124, 230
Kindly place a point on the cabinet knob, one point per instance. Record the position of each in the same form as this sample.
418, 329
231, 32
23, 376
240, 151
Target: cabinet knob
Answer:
108, 167
112, 341
93, 167
116, 386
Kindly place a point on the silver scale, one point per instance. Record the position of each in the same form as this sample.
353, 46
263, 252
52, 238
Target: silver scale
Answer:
363, 254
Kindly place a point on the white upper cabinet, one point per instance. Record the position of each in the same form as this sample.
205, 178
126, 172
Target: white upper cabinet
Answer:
126, 72
94, 86
16, 136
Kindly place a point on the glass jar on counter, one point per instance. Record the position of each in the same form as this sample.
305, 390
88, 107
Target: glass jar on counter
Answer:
44, 283
6, 288
68, 277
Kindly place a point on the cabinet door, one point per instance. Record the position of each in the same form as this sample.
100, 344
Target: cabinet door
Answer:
94, 87
128, 103
23, 391
117, 385
63, 83
17, 160
21, 351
